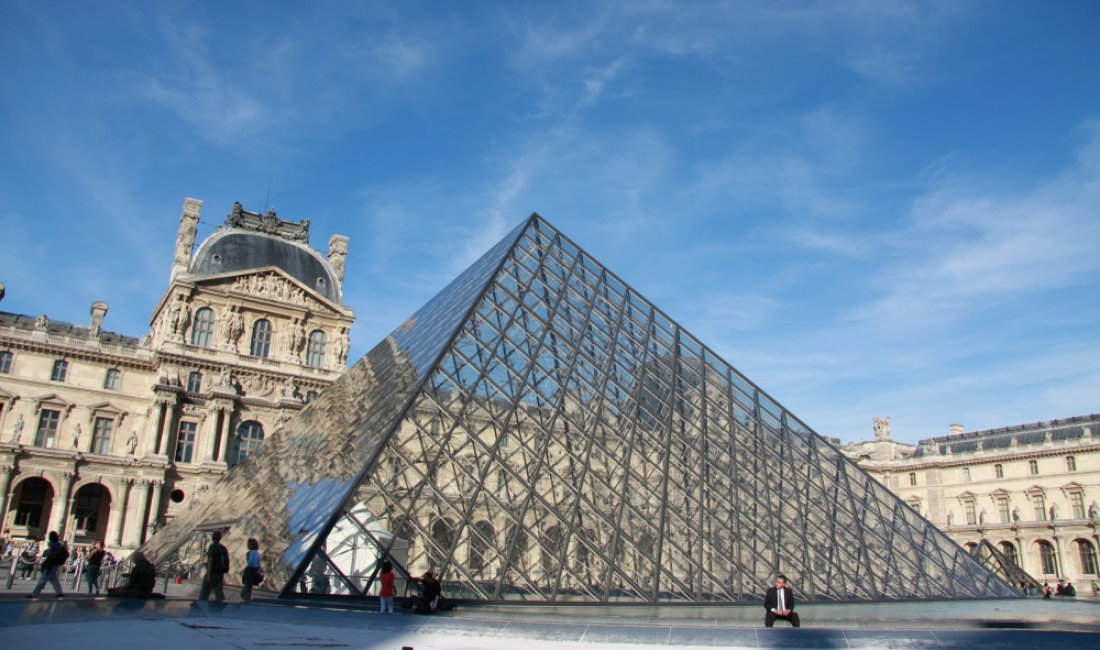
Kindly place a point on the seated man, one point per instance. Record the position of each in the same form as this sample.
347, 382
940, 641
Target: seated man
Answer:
140, 583
779, 603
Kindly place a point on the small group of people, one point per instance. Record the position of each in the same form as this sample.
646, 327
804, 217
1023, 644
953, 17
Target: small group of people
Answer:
1064, 589
217, 566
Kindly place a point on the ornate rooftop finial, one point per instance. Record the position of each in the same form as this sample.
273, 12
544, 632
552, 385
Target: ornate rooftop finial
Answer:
268, 223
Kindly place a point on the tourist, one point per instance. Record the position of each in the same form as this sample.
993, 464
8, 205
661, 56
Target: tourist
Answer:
1060, 590
385, 592
1070, 591
28, 559
52, 560
1095, 588
779, 603
430, 594
91, 567
1046, 591
217, 565
252, 573
140, 582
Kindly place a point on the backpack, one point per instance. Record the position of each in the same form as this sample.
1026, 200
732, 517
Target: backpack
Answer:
221, 561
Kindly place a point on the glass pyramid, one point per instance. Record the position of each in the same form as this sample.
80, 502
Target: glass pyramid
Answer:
539, 431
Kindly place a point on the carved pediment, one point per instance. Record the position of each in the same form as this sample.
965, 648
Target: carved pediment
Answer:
272, 284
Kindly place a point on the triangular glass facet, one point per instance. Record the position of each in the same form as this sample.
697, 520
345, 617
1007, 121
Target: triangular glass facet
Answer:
541, 432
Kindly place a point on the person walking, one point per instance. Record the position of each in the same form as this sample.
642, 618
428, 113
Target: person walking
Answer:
252, 569
53, 559
385, 592
217, 565
91, 567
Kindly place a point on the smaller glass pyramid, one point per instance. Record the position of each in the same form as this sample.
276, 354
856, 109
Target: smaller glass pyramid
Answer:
539, 431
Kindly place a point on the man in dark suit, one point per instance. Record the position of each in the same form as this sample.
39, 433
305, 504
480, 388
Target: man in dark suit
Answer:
779, 603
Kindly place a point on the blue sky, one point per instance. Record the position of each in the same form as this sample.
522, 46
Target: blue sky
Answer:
870, 208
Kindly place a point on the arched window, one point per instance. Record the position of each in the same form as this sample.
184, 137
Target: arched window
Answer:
261, 338
1047, 558
1086, 552
88, 508
443, 538
248, 438
60, 370
315, 349
5, 362
194, 382
110, 381
1009, 552
202, 331
482, 538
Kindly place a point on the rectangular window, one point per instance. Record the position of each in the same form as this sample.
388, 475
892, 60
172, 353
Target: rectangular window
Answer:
101, 435
47, 428
966, 474
1077, 502
912, 478
5, 362
111, 379
185, 441
1040, 506
971, 514
1071, 464
1003, 511
194, 382
1033, 467
32, 499
999, 470
60, 370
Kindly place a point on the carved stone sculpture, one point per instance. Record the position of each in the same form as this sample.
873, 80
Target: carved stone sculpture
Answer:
17, 429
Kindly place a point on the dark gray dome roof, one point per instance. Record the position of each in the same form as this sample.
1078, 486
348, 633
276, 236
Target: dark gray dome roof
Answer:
232, 250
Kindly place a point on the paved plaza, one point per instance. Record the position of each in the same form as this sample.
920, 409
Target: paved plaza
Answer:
90, 623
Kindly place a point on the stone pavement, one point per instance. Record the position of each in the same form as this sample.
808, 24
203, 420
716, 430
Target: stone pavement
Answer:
90, 623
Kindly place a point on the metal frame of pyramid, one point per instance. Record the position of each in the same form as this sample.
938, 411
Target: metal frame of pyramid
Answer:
996, 561
539, 431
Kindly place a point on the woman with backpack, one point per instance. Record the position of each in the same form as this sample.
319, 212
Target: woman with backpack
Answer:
52, 559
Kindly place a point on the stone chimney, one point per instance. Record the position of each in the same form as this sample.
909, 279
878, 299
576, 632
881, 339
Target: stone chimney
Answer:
956, 429
185, 237
98, 311
337, 253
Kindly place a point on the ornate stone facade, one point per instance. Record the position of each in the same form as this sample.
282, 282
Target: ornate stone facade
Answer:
1032, 490
107, 436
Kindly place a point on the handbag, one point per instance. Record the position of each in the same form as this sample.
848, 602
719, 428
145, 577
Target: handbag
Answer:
257, 576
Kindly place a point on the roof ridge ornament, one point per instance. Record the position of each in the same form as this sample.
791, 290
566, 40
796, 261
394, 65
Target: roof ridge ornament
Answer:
268, 223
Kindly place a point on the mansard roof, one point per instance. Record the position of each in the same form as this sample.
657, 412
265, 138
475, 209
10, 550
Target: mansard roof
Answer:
61, 328
250, 240
1035, 433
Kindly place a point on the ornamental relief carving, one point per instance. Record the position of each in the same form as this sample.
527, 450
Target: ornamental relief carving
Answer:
272, 286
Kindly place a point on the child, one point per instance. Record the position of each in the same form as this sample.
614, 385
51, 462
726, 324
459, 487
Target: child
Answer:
385, 593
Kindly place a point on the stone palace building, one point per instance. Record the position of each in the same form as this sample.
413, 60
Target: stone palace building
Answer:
107, 436
1032, 490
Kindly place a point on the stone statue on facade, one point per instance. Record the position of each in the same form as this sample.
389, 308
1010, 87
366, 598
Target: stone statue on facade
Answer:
17, 429
42, 322
132, 442
1016, 513
341, 344
234, 326
881, 428
290, 389
76, 436
296, 339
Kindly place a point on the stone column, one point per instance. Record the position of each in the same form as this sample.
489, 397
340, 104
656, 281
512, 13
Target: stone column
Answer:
152, 427
227, 423
59, 515
118, 513
213, 432
165, 434
137, 518
6, 473
154, 508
